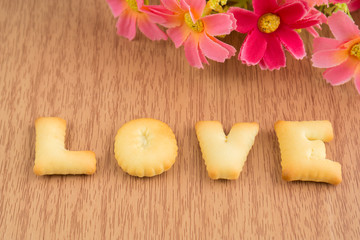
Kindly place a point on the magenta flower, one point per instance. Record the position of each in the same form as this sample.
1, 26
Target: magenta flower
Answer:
189, 27
129, 12
270, 27
340, 55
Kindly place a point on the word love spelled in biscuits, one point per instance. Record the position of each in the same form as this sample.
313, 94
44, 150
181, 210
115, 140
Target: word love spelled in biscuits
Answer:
147, 147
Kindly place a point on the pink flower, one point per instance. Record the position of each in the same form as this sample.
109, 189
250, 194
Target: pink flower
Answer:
312, 14
325, 2
340, 55
129, 12
269, 27
189, 27
354, 5
316, 15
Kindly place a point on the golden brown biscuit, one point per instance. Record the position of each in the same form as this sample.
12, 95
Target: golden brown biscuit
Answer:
303, 155
51, 157
145, 147
225, 155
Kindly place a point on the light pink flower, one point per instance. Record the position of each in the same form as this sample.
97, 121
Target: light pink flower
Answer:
340, 55
129, 12
270, 27
189, 28
354, 5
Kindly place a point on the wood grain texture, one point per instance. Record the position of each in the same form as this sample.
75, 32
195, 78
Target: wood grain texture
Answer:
64, 59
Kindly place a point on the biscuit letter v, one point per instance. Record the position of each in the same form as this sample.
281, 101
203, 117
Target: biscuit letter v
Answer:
225, 155
51, 157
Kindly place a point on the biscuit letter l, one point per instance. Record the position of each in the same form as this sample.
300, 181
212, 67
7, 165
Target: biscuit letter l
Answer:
51, 157
303, 155
225, 155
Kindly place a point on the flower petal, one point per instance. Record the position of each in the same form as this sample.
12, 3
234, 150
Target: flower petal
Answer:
304, 23
329, 58
126, 24
191, 47
211, 49
292, 41
322, 43
172, 5
262, 65
202, 57
245, 20
195, 7
139, 3
162, 16
264, 6
313, 18
342, 73
184, 5
274, 57
213, 27
117, 6
253, 48
312, 31
292, 12
354, 5
350, 44
178, 34
342, 26
231, 50
156, 13
150, 29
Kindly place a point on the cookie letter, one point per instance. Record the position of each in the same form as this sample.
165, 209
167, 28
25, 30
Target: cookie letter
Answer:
303, 154
225, 155
51, 157
145, 147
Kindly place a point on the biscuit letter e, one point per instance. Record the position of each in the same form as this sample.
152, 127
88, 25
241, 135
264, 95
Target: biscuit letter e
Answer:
225, 155
303, 155
51, 157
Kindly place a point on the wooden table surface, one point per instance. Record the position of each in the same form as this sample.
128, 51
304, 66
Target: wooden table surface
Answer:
64, 59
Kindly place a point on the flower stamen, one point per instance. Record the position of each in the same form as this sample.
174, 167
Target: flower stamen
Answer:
198, 26
268, 23
132, 4
355, 50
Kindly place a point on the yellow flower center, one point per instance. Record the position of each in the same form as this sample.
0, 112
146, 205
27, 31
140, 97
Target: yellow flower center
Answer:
268, 23
198, 26
355, 50
132, 4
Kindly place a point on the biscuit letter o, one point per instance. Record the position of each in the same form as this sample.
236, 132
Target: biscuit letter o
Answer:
145, 147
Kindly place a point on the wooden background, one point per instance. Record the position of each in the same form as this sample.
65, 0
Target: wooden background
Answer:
63, 58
